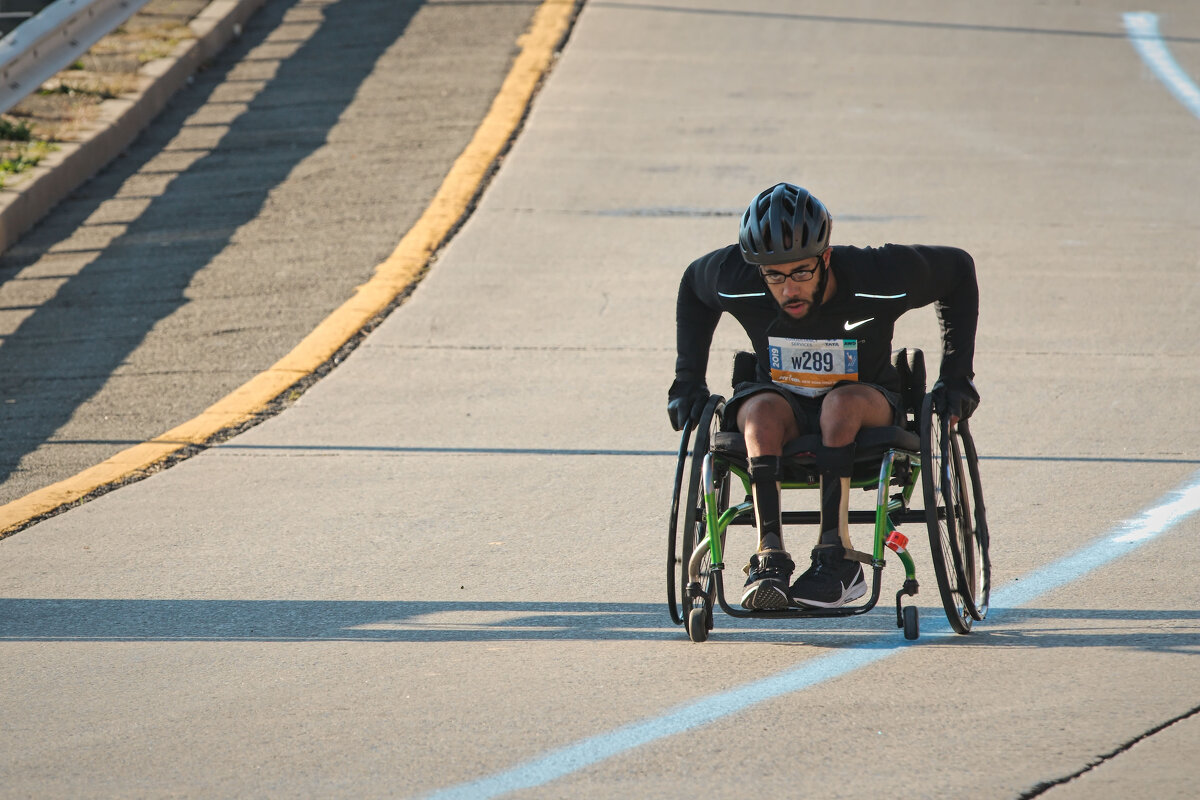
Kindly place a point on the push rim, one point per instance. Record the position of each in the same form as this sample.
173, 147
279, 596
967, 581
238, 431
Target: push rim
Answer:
978, 545
939, 476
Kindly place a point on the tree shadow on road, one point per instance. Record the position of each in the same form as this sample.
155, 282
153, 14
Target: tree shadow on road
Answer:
71, 345
1160, 631
98, 620
317, 620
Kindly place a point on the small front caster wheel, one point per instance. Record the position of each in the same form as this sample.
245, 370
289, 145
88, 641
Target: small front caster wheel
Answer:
912, 627
698, 623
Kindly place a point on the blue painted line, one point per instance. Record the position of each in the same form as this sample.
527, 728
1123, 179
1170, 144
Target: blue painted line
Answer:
1172, 509
1142, 29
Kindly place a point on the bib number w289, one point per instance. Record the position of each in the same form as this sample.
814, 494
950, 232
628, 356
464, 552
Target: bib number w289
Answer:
811, 367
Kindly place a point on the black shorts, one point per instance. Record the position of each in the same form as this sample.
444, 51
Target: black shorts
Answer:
806, 409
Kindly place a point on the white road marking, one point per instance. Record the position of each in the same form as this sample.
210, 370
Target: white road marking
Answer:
1142, 29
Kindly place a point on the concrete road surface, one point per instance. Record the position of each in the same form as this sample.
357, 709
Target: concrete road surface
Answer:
440, 571
257, 202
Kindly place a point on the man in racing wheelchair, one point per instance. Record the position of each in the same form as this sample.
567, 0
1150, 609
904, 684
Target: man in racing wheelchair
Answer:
821, 320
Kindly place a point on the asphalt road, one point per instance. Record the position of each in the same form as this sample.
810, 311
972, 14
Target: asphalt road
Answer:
257, 202
441, 568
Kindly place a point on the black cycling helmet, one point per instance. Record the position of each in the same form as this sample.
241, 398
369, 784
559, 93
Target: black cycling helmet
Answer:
784, 223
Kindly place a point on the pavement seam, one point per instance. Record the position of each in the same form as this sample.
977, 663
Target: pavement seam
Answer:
270, 391
1045, 786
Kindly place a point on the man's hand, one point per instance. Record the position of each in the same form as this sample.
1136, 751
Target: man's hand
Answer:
685, 403
957, 397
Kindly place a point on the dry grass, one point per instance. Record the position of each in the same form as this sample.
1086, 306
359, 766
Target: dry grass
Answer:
63, 108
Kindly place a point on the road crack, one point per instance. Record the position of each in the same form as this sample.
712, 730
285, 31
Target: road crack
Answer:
1045, 786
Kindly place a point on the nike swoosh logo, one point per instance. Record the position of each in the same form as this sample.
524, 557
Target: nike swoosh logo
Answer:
852, 325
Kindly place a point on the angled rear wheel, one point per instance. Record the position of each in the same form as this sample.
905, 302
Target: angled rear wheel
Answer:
977, 538
947, 500
699, 594
673, 543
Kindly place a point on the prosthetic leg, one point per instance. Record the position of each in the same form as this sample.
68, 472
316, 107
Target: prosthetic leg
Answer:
833, 580
835, 465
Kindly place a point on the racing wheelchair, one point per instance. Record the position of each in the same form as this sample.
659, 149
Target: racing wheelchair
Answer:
890, 460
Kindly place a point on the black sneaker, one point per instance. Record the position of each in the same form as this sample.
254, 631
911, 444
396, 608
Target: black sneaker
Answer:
767, 581
831, 582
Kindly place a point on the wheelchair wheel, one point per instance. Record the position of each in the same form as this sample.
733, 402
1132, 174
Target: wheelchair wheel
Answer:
981, 578
947, 500
698, 597
673, 528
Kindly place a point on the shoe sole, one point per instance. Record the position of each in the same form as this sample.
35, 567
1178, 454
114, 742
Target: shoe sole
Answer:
765, 596
849, 595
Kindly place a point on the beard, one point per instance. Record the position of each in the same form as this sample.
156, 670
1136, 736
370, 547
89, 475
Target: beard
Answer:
796, 309
785, 320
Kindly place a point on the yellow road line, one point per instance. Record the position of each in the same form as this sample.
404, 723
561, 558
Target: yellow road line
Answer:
392, 277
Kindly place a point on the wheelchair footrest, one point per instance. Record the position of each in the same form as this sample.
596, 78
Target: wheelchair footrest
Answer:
804, 612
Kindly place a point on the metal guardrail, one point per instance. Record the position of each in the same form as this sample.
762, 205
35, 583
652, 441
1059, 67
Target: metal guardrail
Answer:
14, 12
52, 40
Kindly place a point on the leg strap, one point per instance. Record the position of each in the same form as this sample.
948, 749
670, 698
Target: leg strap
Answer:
837, 552
836, 461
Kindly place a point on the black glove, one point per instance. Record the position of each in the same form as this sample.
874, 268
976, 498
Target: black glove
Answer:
685, 403
956, 397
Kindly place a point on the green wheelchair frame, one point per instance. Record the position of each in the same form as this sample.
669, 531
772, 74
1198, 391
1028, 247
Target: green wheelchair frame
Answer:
889, 460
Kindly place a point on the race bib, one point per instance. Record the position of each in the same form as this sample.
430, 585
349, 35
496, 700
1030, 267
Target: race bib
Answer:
811, 367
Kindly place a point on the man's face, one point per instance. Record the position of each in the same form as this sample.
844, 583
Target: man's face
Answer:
795, 292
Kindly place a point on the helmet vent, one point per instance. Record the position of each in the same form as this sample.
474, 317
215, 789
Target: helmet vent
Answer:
784, 223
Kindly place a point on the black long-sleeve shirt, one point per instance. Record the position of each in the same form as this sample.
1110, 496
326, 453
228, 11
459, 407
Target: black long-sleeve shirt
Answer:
851, 333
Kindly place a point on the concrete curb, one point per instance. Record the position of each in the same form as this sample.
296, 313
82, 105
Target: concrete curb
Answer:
121, 120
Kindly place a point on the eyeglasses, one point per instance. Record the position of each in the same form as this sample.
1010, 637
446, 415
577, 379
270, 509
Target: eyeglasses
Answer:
798, 275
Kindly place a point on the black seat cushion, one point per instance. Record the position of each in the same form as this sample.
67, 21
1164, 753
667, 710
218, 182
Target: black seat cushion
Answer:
800, 455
